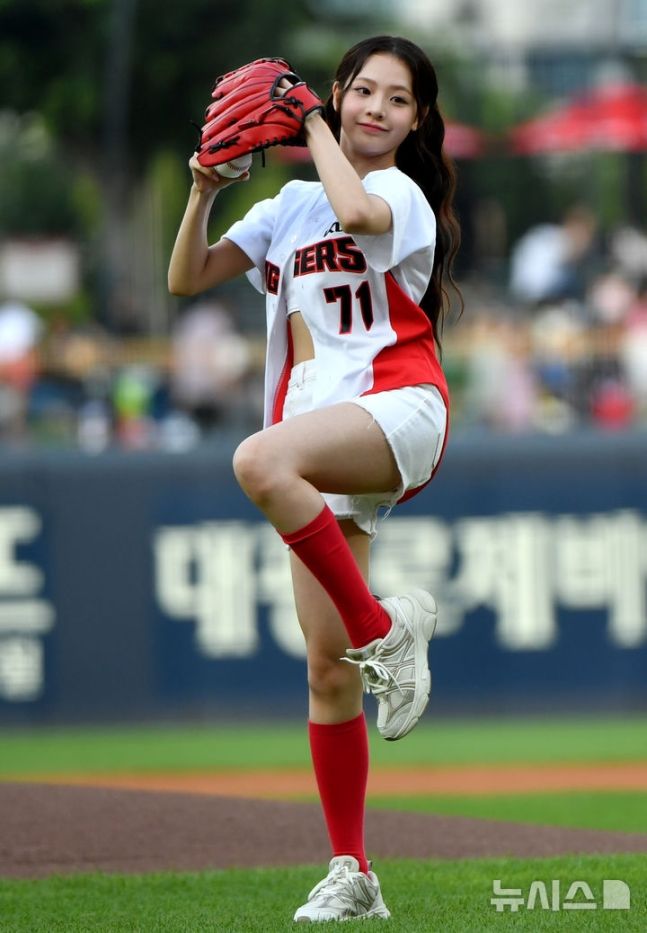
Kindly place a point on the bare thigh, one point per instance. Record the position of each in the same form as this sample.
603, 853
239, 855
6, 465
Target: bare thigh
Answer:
339, 449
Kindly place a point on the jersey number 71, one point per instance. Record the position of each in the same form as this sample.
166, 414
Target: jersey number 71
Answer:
343, 294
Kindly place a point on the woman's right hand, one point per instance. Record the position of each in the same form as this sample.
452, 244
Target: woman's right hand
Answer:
206, 180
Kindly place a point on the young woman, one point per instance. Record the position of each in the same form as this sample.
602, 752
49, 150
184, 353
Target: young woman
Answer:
354, 269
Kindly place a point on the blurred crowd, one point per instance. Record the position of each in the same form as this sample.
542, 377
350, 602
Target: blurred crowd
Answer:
64, 385
562, 345
565, 344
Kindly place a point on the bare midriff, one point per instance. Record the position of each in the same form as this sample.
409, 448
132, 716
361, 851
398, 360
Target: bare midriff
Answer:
302, 345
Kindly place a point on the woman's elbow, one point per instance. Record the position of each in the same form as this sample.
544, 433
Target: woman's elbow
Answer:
367, 216
180, 289
355, 221
365, 222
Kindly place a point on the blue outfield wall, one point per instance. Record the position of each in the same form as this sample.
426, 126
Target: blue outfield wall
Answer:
146, 586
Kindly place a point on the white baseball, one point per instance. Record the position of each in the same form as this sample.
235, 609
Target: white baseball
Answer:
235, 167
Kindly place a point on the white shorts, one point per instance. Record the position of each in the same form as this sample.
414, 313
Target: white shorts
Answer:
414, 422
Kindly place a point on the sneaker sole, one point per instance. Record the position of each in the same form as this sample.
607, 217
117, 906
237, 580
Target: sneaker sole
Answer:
424, 634
380, 913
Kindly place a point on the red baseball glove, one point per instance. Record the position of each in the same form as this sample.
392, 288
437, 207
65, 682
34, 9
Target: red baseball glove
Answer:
250, 112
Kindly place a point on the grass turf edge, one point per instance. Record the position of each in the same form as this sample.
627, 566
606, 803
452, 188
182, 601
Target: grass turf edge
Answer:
613, 811
422, 895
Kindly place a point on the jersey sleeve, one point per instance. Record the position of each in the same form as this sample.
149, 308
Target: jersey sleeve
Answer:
253, 234
413, 228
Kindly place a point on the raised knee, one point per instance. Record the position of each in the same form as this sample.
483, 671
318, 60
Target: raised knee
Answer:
251, 468
329, 677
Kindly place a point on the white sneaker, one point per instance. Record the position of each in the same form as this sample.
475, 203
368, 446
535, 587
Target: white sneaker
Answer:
345, 893
395, 668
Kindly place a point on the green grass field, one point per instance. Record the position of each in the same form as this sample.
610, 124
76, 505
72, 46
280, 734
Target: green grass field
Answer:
624, 811
423, 895
268, 745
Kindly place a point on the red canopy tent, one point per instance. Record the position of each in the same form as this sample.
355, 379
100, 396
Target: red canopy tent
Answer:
559, 130
463, 141
610, 118
619, 118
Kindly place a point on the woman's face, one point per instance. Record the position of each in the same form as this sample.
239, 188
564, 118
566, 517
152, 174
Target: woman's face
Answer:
378, 109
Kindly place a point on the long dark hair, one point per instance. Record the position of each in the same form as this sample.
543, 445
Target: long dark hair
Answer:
420, 155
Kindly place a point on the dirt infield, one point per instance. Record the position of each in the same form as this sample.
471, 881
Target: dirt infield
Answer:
290, 783
57, 829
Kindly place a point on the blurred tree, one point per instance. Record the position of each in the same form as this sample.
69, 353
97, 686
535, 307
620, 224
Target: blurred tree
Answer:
116, 82
55, 55
33, 170
50, 62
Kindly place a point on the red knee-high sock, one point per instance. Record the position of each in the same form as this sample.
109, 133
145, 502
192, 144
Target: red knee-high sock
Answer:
340, 759
324, 550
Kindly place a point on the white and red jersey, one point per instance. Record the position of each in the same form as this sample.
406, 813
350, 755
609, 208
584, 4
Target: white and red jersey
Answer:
358, 294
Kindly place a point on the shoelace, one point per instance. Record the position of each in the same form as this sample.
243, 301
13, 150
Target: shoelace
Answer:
374, 668
337, 878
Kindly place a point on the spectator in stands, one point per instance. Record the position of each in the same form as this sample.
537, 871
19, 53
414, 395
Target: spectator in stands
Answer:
20, 332
210, 359
549, 262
